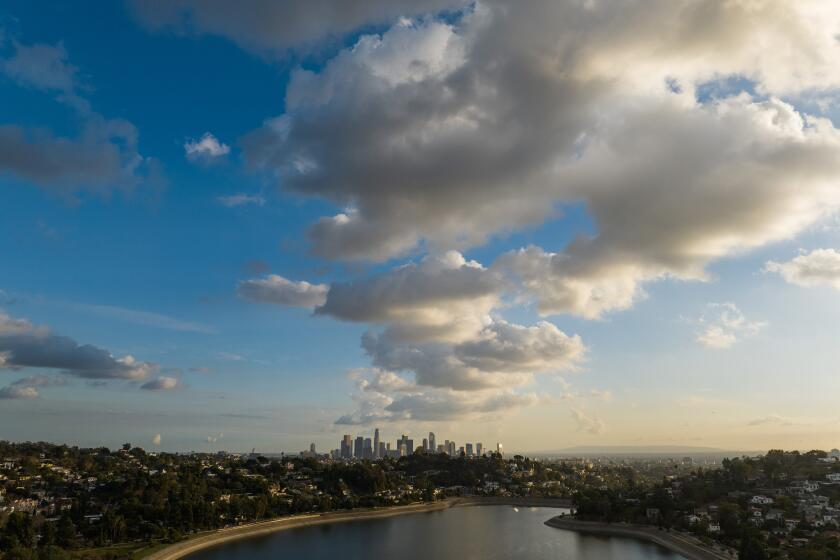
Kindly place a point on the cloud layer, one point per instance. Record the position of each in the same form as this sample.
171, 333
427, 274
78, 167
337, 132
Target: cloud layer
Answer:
450, 132
677, 125
102, 157
268, 26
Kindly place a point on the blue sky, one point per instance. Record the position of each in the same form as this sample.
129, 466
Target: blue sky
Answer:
379, 154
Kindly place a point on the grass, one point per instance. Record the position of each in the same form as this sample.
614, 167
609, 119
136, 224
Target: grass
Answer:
122, 551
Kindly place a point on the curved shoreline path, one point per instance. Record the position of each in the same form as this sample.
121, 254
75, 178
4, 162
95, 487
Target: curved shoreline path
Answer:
228, 534
684, 545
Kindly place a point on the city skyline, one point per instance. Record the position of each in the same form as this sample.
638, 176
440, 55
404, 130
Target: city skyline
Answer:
364, 448
553, 227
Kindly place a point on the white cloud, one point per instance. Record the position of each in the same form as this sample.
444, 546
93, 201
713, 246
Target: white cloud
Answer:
501, 355
10, 326
102, 157
772, 419
280, 291
692, 186
716, 337
18, 392
206, 148
724, 324
41, 66
156, 439
439, 133
146, 318
441, 406
24, 345
434, 364
267, 26
601, 394
820, 267
162, 383
383, 396
587, 422
40, 381
454, 131
443, 298
235, 200
503, 346
384, 382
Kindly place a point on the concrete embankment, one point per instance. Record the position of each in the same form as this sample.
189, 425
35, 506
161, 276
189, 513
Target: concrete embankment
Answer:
684, 545
511, 501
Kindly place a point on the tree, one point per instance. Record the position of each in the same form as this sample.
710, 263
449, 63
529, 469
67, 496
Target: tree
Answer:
66, 532
52, 552
20, 553
751, 547
20, 530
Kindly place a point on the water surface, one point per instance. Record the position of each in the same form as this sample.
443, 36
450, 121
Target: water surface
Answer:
486, 533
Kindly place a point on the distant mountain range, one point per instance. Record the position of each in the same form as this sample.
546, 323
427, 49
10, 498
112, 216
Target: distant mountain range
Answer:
644, 450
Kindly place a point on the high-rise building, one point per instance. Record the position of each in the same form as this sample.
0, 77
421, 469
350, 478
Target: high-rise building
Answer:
432, 446
312, 448
359, 448
462, 452
347, 447
469, 449
425, 445
440, 448
499, 449
451, 451
446, 446
479, 449
376, 454
367, 450
402, 448
383, 451
408, 443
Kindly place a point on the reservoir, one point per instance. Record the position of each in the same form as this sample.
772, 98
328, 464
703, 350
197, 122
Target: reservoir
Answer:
464, 533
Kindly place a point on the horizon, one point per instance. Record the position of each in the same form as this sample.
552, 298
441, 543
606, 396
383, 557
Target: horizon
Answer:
554, 228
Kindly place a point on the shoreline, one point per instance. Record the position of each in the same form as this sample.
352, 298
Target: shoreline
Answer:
675, 542
218, 537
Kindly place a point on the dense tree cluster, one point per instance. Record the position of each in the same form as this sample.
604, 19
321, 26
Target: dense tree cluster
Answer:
727, 490
95, 498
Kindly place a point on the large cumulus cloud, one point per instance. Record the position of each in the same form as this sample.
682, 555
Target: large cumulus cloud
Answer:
443, 297
737, 174
404, 401
447, 132
678, 124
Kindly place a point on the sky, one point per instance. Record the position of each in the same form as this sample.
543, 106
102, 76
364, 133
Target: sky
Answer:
583, 222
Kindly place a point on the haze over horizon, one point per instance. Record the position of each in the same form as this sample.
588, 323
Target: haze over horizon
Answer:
587, 223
